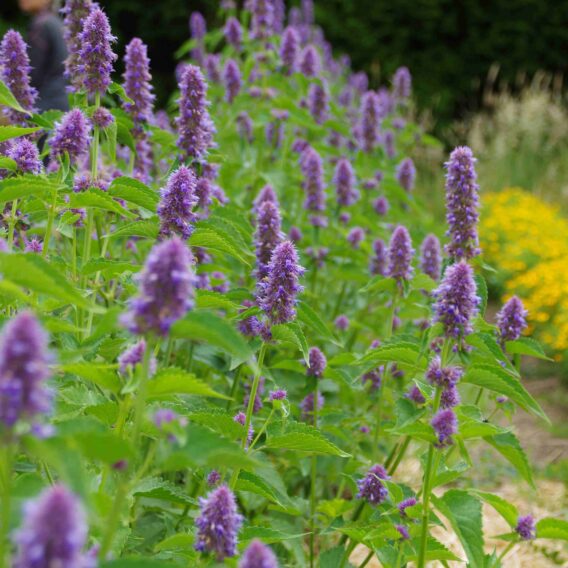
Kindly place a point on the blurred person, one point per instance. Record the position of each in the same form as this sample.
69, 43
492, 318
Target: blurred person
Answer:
48, 52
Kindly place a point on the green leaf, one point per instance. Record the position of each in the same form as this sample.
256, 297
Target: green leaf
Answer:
423, 282
24, 186
552, 528
156, 488
526, 346
398, 352
134, 191
98, 199
379, 284
109, 268
8, 99
304, 438
7, 164
212, 239
482, 293
308, 316
496, 379
463, 511
9, 132
136, 562
291, 333
174, 381
220, 421
510, 448
104, 446
148, 229
208, 299
507, 510
205, 326
254, 484
267, 535
103, 376
33, 272
118, 89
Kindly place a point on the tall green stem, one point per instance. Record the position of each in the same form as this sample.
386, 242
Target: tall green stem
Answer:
142, 393
6, 469
313, 486
12, 224
49, 226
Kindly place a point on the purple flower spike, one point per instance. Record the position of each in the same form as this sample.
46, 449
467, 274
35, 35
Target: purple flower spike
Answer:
381, 206
355, 237
450, 397
371, 487
26, 155
403, 532
267, 193
443, 377
102, 117
262, 20
245, 126
53, 533
310, 63
241, 418
194, 124
511, 320
278, 394
96, 57
282, 286
197, 26
312, 168
318, 102
212, 67
290, 49
526, 528
431, 257
75, 13
267, 237
388, 142
137, 83
232, 80
258, 555
406, 174
307, 405
456, 300
15, 72
71, 136
133, 356
445, 425
400, 255
234, 33
374, 378
33, 245
295, 235
368, 128
24, 370
177, 200
378, 264
342, 322
213, 478
317, 363
461, 204
218, 524
403, 505
165, 290
415, 395
401, 83
344, 181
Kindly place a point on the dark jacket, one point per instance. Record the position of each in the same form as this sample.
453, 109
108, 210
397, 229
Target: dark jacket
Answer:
47, 55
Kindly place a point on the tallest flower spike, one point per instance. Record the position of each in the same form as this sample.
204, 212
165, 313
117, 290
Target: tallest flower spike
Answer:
262, 18
194, 124
96, 55
15, 72
461, 204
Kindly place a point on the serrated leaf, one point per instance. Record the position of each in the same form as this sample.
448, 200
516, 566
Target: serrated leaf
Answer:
211, 239
209, 299
33, 272
304, 438
135, 562
156, 488
498, 380
526, 346
463, 511
423, 282
148, 228
118, 89
102, 375
9, 132
174, 381
251, 482
7, 164
267, 535
207, 327
379, 284
108, 267
98, 199
104, 446
397, 352
291, 333
134, 191
308, 316
507, 510
24, 186
482, 292
179, 541
552, 528
220, 421
510, 448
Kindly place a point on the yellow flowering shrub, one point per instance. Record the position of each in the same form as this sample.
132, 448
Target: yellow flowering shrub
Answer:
527, 240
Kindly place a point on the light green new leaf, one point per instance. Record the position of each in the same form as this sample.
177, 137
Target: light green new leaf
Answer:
134, 191
97, 199
304, 438
174, 381
9, 132
24, 186
527, 346
507, 510
8, 99
212, 239
292, 333
552, 528
510, 448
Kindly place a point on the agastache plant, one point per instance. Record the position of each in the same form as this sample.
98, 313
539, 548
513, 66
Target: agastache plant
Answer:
175, 388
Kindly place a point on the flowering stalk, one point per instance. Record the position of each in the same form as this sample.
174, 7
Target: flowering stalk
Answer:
6, 488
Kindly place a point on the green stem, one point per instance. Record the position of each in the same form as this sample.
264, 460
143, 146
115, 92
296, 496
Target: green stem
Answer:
426, 491
378, 424
261, 432
12, 224
392, 314
142, 391
400, 455
399, 555
391, 455
313, 486
6, 504
112, 520
504, 553
234, 387
356, 515
250, 407
479, 395
367, 559
95, 146
49, 226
